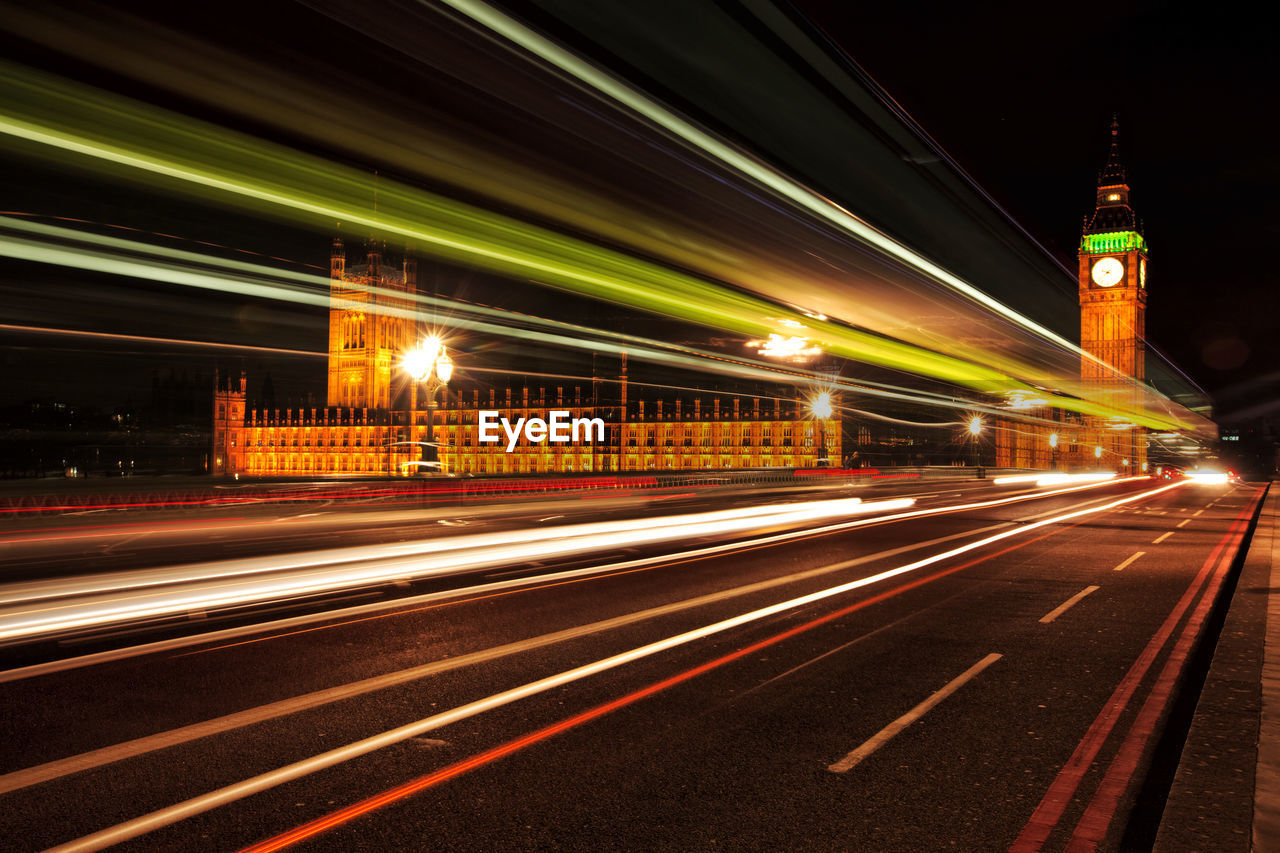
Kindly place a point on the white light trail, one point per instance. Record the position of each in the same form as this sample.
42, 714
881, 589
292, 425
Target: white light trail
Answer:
1056, 479
265, 781
85, 603
46, 608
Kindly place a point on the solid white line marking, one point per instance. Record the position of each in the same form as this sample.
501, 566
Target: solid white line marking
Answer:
265, 781
893, 729
1125, 564
1064, 606
1162, 537
1180, 523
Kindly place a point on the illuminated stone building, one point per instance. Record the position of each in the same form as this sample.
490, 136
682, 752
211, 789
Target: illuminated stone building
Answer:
1113, 308
364, 430
1113, 317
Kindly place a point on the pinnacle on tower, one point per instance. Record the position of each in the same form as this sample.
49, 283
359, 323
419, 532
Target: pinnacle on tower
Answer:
337, 259
1113, 211
1113, 172
374, 259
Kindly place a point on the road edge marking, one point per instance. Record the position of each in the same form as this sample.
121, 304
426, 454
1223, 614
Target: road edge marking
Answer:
1101, 809
1062, 790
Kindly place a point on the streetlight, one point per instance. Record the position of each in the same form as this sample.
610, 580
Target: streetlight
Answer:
429, 362
1053, 450
1097, 455
820, 407
975, 430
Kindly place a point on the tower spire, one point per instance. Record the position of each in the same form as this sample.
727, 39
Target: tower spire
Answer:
1113, 172
1113, 211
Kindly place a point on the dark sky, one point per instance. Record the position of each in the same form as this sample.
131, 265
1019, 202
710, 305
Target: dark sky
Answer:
1021, 95
1022, 102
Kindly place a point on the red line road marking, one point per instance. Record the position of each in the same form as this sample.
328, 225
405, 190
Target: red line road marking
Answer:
1092, 828
1055, 801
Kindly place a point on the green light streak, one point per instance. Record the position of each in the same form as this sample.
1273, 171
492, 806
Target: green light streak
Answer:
119, 133
255, 280
174, 266
737, 160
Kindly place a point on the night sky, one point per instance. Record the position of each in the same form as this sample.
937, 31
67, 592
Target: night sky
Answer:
1021, 97
1021, 101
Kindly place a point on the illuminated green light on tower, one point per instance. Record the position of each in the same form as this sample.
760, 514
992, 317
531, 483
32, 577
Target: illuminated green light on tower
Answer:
1113, 241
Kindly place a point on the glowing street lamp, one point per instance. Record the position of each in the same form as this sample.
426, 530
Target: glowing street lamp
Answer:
820, 406
1097, 454
1053, 449
421, 362
821, 409
428, 363
974, 429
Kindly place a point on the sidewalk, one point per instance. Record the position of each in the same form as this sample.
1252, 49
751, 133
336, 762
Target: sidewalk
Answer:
1226, 792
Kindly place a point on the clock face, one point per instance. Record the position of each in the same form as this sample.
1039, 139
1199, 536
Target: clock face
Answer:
1142, 274
1107, 272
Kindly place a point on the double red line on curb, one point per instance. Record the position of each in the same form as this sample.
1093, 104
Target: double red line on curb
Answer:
1097, 818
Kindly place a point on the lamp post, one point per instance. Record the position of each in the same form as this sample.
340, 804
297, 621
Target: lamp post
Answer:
428, 363
1097, 456
1053, 451
821, 409
975, 430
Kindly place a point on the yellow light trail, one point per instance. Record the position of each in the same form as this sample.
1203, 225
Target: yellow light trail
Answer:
55, 245
115, 132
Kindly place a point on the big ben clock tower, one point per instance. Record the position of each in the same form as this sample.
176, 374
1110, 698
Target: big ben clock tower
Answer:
1113, 308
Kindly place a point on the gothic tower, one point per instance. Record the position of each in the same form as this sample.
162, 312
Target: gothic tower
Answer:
370, 327
1113, 309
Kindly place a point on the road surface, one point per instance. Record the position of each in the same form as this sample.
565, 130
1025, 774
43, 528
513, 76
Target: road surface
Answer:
972, 673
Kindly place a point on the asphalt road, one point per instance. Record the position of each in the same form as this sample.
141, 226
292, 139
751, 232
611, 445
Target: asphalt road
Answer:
905, 685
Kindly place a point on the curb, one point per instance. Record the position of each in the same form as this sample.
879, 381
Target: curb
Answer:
1211, 803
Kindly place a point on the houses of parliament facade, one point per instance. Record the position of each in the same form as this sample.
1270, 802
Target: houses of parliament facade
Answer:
360, 432
363, 431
